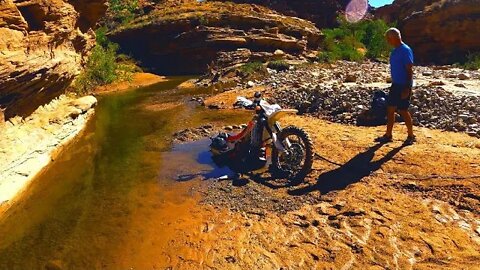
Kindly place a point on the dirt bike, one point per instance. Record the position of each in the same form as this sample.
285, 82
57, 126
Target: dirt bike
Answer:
291, 148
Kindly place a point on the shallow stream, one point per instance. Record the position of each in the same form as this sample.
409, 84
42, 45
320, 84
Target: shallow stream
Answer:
93, 205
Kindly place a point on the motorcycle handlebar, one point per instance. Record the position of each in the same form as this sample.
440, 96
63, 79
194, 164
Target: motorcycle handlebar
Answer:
258, 98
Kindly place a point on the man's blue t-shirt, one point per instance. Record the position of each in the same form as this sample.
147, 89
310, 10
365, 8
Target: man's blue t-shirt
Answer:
399, 58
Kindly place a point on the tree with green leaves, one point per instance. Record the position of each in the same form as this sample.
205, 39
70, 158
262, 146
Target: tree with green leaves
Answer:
104, 65
355, 41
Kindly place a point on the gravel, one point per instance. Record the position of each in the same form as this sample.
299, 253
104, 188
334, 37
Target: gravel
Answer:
344, 92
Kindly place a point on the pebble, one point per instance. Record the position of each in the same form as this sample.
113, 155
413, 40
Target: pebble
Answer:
427, 73
213, 106
437, 83
279, 53
351, 78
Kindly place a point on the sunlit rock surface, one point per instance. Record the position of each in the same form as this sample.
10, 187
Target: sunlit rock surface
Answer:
184, 38
43, 46
323, 13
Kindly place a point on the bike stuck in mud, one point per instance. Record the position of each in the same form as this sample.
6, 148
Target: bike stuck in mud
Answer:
288, 151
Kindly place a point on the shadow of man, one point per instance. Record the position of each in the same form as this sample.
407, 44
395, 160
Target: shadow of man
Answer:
351, 172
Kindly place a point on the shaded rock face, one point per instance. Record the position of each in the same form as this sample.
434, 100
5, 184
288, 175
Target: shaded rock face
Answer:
189, 40
439, 31
43, 47
323, 13
90, 12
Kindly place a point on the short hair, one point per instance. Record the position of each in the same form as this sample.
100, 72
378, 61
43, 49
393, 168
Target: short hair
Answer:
393, 32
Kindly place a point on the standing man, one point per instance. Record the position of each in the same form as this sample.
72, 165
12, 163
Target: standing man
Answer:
401, 67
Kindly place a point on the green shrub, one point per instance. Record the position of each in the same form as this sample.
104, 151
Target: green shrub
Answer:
203, 20
373, 37
325, 57
101, 36
104, 66
472, 62
251, 67
355, 41
123, 10
279, 65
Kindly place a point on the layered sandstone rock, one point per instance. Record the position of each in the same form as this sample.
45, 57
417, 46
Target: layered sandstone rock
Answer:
185, 37
323, 13
42, 48
440, 31
28, 144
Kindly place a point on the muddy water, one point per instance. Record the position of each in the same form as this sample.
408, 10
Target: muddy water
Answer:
92, 207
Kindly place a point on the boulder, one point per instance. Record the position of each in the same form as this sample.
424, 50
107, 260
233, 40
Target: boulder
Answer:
85, 103
43, 47
279, 53
438, 31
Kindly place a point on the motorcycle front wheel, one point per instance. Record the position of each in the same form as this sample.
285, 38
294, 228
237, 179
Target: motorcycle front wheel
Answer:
296, 162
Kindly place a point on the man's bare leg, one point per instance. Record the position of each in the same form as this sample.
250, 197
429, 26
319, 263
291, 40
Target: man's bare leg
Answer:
390, 120
408, 122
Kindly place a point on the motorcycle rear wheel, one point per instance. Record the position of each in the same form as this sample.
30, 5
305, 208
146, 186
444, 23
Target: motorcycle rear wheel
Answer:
297, 162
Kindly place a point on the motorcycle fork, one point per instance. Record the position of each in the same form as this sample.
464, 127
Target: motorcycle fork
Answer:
276, 142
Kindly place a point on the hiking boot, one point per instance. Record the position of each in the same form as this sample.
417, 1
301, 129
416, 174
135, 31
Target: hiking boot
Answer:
410, 140
384, 139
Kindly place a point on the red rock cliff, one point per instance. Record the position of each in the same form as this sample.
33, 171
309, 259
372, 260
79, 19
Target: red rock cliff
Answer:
323, 13
43, 45
184, 37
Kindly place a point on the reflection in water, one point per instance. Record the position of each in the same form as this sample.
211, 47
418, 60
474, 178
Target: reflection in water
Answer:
83, 211
203, 157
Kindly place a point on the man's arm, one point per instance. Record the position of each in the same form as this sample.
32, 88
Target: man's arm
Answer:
408, 90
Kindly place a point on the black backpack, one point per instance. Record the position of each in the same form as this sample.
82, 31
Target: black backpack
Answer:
379, 104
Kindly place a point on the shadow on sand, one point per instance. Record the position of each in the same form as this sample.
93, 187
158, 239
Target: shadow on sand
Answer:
349, 173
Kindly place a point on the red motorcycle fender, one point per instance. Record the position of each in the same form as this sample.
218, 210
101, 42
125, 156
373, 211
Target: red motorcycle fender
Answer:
242, 134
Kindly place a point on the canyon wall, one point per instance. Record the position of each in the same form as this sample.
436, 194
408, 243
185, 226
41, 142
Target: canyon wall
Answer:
43, 45
323, 13
185, 37
439, 31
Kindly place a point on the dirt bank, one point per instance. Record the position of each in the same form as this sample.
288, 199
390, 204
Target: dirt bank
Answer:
138, 80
